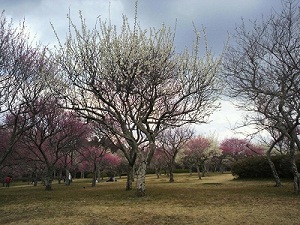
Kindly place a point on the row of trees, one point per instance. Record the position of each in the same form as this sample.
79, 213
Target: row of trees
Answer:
180, 147
54, 141
129, 86
131, 89
58, 142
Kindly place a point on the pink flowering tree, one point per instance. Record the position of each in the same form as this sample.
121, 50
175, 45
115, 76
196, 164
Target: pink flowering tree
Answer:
198, 151
159, 162
235, 149
54, 134
110, 164
97, 159
91, 158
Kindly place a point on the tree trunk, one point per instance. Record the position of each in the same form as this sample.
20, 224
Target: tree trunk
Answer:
157, 172
171, 168
294, 168
171, 177
222, 168
274, 171
60, 176
296, 176
129, 178
198, 171
133, 173
141, 179
35, 179
203, 169
48, 183
68, 177
191, 170
48, 177
94, 175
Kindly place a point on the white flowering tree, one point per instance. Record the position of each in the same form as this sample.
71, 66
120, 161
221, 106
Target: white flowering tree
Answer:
135, 85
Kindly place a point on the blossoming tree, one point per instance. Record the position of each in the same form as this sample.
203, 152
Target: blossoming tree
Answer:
135, 84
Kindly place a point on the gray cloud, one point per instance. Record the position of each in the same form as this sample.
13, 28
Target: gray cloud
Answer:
218, 16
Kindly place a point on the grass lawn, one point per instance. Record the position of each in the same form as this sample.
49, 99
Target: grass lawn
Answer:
216, 199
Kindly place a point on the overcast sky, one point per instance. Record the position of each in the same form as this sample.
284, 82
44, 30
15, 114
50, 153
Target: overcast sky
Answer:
219, 17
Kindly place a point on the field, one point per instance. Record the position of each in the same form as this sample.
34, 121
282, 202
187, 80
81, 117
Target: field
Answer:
216, 199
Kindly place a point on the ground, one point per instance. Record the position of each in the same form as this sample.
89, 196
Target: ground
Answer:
216, 199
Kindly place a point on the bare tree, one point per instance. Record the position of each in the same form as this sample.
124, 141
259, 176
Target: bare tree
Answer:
170, 142
263, 72
135, 84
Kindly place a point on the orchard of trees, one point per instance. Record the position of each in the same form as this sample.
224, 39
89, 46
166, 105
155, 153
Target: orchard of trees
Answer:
124, 102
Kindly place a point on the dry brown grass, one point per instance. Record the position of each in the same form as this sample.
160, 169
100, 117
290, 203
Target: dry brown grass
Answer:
216, 199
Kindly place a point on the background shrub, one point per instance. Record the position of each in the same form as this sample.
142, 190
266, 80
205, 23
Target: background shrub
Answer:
258, 167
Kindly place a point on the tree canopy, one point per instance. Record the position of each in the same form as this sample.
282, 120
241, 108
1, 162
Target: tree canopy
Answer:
134, 83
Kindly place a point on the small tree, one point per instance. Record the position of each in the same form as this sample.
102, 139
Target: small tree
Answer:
172, 141
91, 159
198, 152
159, 162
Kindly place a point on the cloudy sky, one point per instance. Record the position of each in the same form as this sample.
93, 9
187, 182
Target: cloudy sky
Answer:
219, 17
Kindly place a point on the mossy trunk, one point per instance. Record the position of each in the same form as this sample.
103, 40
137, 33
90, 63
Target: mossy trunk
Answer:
296, 178
141, 179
